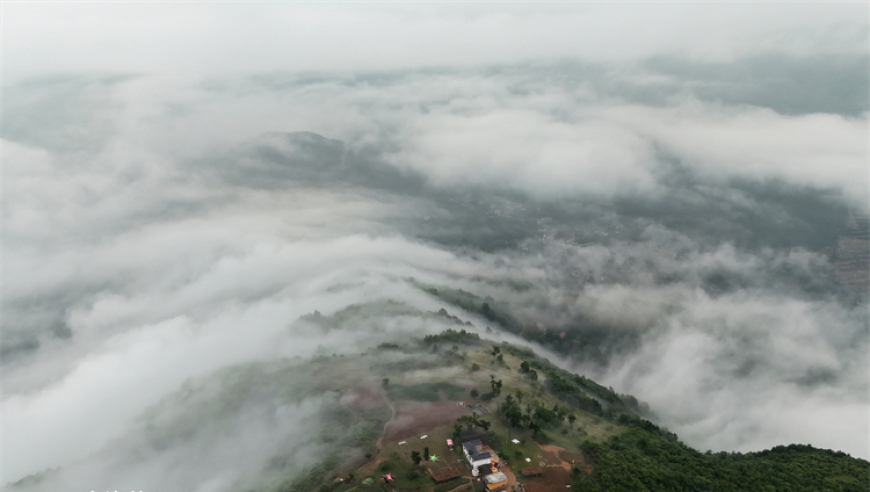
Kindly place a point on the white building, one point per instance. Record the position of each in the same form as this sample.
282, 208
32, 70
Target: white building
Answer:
477, 453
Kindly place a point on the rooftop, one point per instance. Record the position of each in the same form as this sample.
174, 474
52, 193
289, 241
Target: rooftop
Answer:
472, 445
495, 477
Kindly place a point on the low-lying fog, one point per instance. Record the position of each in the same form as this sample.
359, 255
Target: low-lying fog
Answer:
704, 215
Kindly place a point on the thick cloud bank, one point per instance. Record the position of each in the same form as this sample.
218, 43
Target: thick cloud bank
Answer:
694, 220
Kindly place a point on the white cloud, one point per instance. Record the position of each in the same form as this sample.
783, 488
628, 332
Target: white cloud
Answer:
164, 269
749, 371
725, 142
527, 150
196, 38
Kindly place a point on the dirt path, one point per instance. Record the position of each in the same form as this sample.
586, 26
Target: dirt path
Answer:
379, 445
512, 479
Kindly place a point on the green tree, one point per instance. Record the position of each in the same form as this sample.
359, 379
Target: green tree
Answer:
524, 367
496, 385
571, 419
487, 312
415, 457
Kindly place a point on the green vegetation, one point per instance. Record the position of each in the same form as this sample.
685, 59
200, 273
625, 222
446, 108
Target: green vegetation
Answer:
451, 484
640, 461
577, 390
624, 450
426, 391
588, 341
312, 478
514, 455
451, 336
413, 363
406, 475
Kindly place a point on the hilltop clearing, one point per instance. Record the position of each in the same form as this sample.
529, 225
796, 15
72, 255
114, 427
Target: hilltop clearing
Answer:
542, 429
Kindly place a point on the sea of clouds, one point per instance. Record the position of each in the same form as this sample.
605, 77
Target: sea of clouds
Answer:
182, 182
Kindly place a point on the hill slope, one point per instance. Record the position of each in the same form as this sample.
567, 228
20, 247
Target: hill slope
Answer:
532, 413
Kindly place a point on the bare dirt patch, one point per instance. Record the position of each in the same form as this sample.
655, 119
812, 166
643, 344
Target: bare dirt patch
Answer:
564, 458
554, 479
548, 457
444, 473
417, 417
551, 448
512, 479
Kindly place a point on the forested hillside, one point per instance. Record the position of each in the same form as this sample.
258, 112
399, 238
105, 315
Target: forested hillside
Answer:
639, 461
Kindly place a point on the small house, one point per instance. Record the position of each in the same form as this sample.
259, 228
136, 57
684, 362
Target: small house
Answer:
477, 453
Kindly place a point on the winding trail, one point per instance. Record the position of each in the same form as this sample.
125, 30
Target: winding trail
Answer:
379, 444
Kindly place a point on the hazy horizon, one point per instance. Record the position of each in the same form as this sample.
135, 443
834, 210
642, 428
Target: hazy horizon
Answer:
684, 184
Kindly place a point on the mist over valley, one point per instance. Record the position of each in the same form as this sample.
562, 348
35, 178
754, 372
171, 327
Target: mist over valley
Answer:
216, 254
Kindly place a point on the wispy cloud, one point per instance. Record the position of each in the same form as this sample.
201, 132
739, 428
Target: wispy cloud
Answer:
173, 203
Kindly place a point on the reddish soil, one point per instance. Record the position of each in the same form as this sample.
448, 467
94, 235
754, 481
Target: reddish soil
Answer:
550, 458
552, 454
512, 479
554, 479
447, 472
417, 417
564, 458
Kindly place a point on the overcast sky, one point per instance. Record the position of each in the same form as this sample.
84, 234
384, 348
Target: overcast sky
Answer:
162, 222
199, 38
